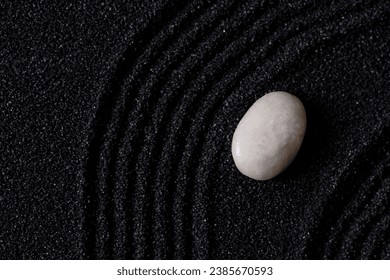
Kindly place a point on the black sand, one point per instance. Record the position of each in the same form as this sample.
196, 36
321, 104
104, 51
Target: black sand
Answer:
116, 123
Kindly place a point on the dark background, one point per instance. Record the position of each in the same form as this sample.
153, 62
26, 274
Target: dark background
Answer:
117, 118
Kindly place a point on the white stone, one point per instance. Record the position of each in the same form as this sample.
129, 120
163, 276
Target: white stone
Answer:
269, 135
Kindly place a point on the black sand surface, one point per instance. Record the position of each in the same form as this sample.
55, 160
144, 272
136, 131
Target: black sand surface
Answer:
116, 119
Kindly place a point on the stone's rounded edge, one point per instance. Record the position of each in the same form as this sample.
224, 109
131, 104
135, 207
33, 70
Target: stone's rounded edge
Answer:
242, 164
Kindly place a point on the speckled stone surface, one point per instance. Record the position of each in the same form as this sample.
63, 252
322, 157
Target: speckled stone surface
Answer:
269, 135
